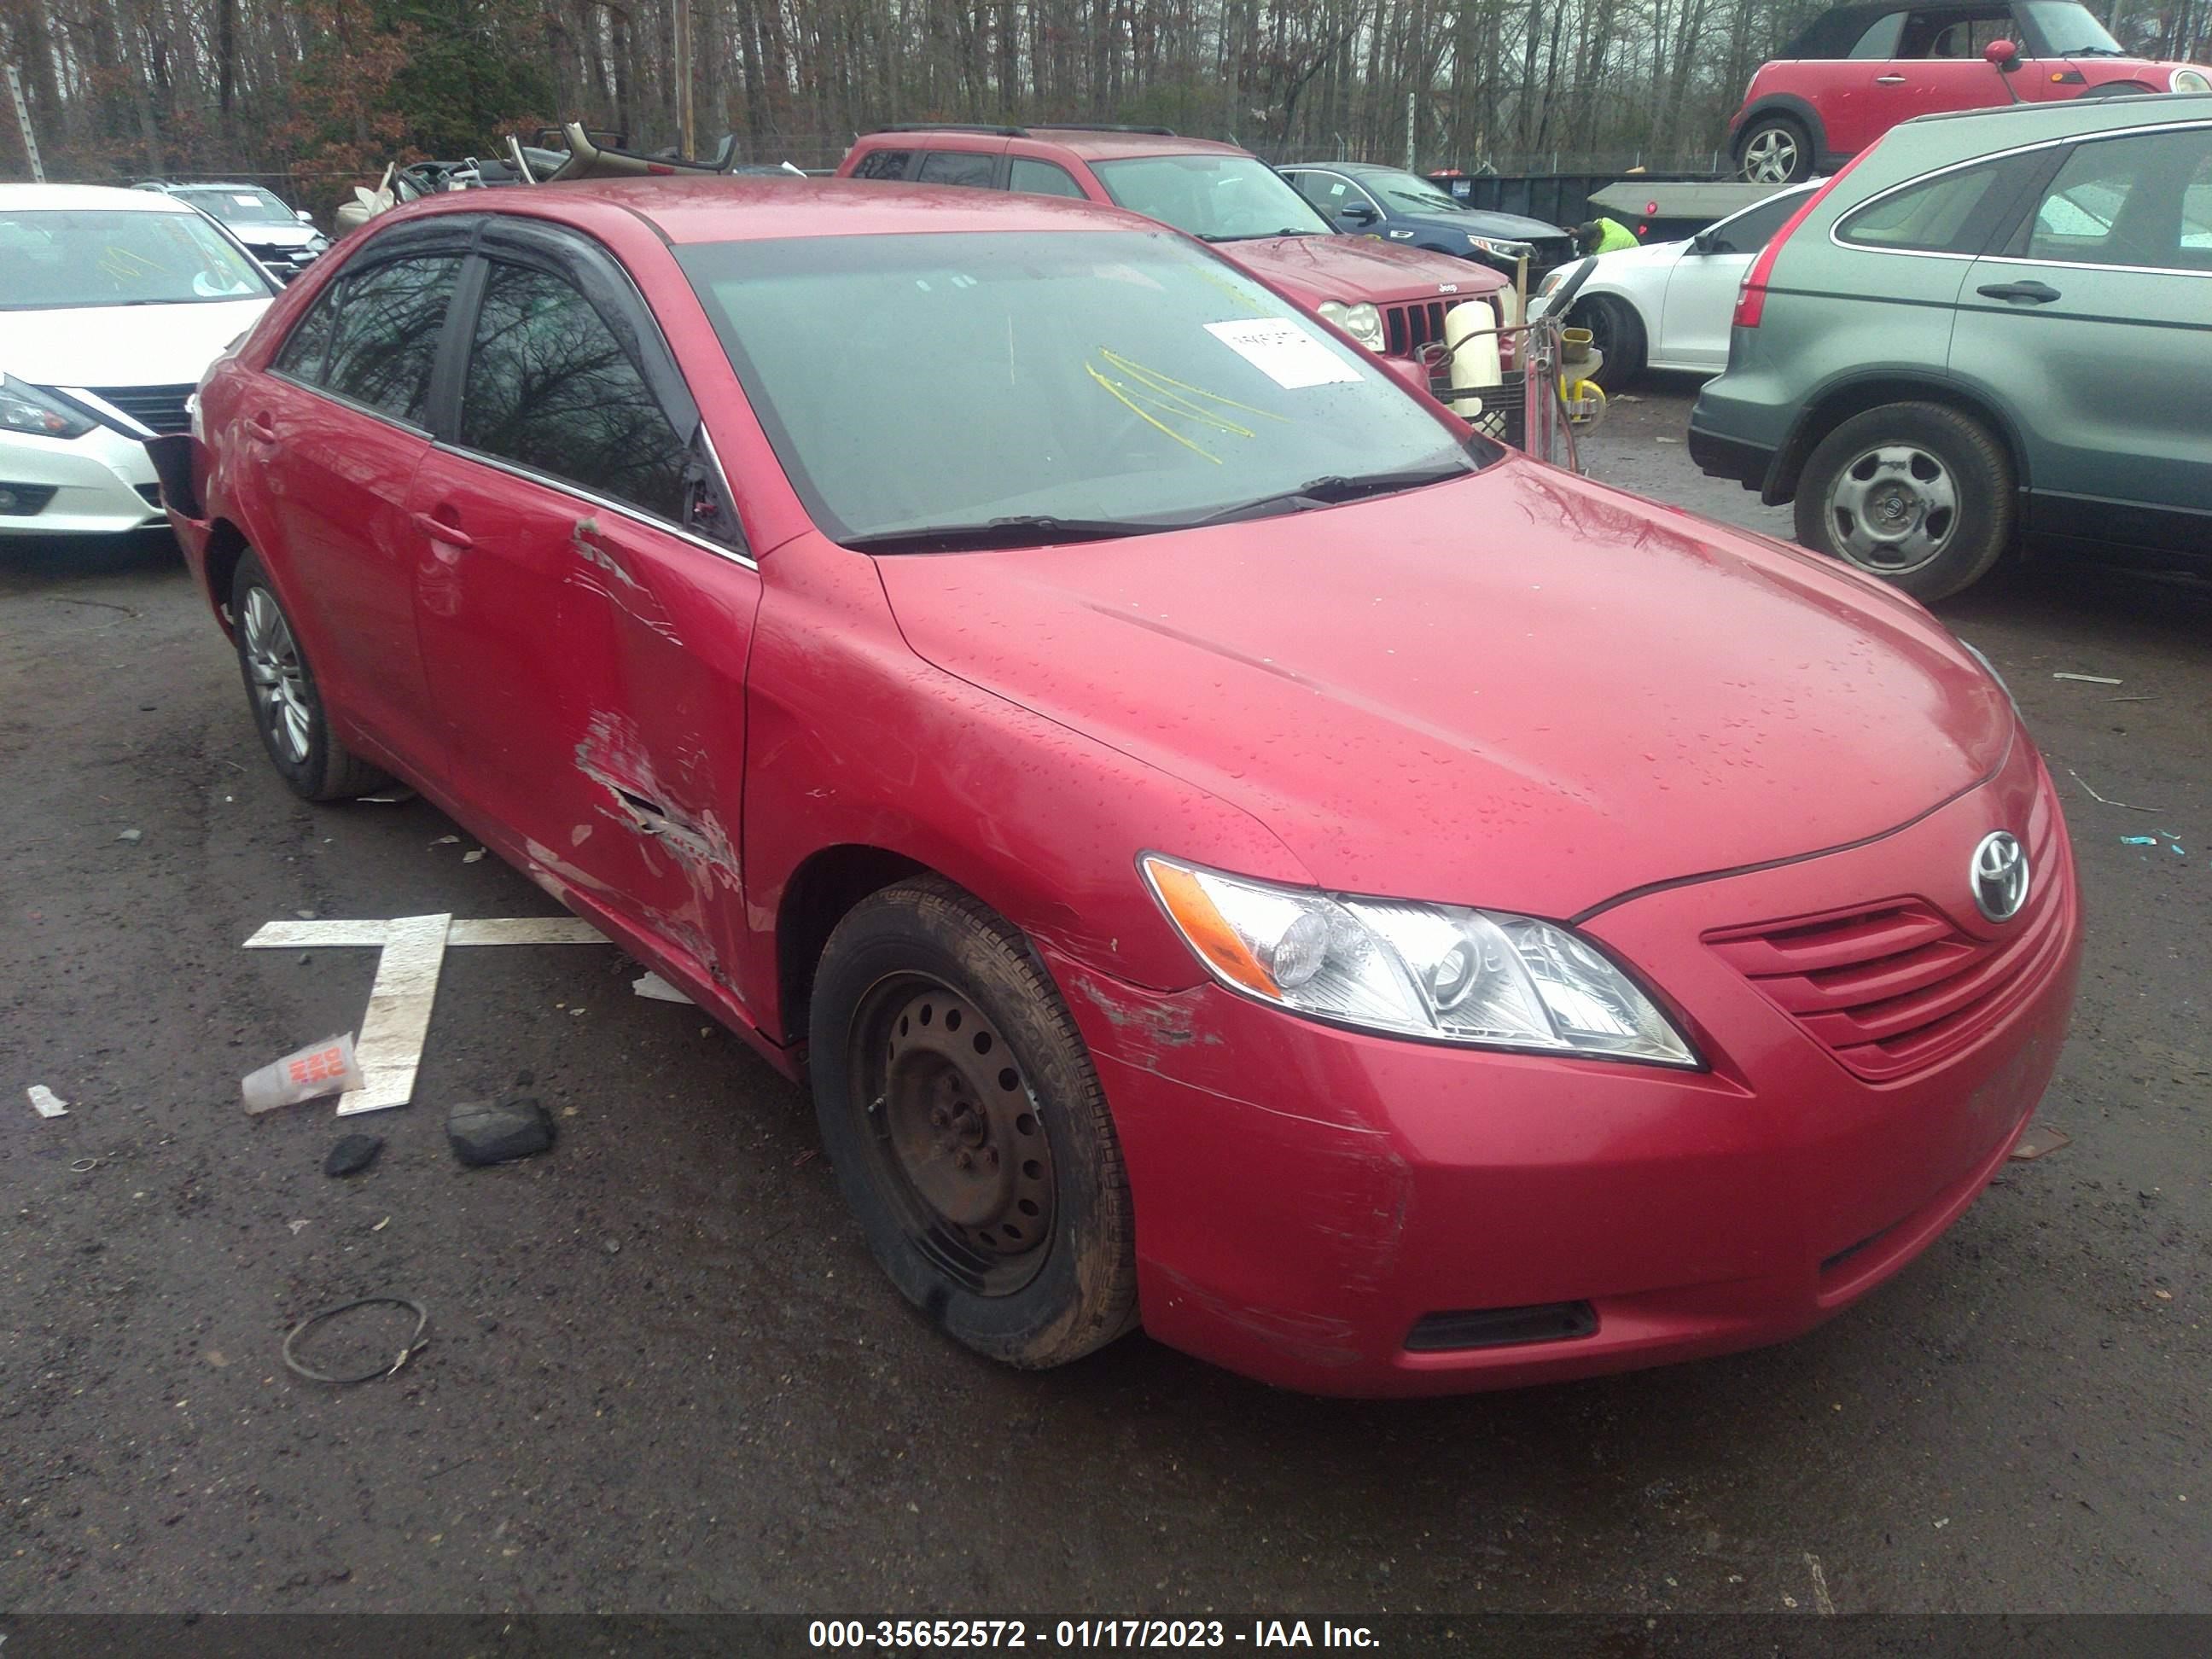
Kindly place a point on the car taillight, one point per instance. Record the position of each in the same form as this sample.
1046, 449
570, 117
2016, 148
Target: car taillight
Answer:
1751, 297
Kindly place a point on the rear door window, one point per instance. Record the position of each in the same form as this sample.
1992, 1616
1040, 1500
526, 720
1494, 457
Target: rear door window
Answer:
552, 389
884, 164
1042, 178
385, 338
2137, 201
957, 167
307, 348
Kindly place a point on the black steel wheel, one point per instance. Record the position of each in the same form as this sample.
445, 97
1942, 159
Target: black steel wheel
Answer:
968, 1129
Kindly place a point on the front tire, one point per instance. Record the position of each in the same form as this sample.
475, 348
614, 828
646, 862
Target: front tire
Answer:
1917, 493
288, 708
1617, 332
969, 1131
1775, 150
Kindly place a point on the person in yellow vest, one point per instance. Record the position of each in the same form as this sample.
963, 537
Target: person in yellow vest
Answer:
1603, 236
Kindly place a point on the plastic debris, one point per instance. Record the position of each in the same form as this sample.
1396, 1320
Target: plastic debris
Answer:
2036, 1141
2090, 679
352, 1154
132, 835
471, 858
483, 1132
2138, 841
45, 1102
327, 1068
657, 989
446, 840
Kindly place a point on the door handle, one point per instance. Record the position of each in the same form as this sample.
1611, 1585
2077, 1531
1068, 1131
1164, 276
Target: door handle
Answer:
2038, 293
438, 531
1889, 80
262, 428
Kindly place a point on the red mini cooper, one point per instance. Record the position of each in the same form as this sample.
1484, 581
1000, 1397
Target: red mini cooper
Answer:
1227, 848
1856, 70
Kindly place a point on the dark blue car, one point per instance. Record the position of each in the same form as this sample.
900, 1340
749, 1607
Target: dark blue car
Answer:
1392, 206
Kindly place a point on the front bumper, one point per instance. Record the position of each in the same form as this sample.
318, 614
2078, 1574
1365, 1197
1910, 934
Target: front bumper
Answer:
100, 483
1306, 1197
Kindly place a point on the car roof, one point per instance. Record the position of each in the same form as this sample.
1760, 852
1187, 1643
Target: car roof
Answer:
80, 197
1086, 143
2025, 123
730, 209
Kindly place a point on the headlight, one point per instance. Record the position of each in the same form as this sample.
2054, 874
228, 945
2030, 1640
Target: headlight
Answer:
2191, 80
27, 409
1438, 971
1509, 251
1362, 322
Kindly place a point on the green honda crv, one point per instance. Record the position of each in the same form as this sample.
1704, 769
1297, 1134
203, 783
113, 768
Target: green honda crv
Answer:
1990, 330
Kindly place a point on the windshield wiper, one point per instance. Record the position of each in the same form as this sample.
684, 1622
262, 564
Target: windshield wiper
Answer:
1032, 530
1334, 488
2094, 51
1265, 235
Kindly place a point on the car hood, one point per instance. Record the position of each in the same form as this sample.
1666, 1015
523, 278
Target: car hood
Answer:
122, 345
1355, 268
1520, 690
1481, 221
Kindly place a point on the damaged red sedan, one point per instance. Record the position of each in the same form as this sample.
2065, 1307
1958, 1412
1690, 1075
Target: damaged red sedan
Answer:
1228, 850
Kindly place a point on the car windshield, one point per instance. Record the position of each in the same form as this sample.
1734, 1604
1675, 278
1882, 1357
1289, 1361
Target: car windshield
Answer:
55, 259
1406, 191
2067, 29
948, 390
240, 207
1217, 199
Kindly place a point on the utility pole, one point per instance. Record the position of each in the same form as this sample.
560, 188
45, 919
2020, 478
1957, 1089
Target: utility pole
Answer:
686, 138
23, 120
1411, 113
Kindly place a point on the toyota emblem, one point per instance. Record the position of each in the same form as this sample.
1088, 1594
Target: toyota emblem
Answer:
1999, 875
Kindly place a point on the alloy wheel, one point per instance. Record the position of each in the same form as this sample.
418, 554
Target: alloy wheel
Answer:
1770, 157
278, 679
1893, 509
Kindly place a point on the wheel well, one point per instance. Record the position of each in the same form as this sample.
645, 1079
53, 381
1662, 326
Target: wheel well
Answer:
1792, 108
818, 896
226, 546
1836, 407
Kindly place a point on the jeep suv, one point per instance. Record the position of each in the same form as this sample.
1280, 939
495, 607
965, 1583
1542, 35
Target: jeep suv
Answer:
1988, 328
1856, 70
1391, 300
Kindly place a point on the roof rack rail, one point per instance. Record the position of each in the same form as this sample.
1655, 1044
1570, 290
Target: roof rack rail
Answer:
950, 126
1099, 126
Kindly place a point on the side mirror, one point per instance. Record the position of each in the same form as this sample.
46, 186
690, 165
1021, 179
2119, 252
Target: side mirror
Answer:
2002, 55
304, 216
1702, 242
1358, 213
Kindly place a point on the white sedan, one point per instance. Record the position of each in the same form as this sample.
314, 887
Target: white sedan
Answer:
113, 302
1669, 305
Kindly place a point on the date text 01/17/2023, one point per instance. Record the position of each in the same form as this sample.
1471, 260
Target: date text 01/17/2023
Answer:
903, 1634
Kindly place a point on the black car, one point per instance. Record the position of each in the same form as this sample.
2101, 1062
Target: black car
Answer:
1392, 206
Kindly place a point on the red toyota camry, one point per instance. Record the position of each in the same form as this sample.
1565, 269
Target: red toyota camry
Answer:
1228, 850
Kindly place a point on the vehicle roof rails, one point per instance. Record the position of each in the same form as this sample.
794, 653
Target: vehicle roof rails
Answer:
951, 127
1099, 126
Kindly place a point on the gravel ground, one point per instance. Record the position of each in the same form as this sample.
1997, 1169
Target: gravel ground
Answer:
664, 1375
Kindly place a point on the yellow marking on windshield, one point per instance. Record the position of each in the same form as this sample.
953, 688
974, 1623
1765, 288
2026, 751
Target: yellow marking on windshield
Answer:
1167, 394
122, 265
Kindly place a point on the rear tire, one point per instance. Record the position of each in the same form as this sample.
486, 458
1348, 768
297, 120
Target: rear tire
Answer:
969, 1131
1917, 493
1775, 150
288, 707
1618, 332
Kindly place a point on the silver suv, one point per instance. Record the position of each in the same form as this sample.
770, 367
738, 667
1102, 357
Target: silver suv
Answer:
1989, 329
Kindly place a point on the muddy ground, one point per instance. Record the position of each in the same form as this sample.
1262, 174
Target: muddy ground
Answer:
665, 1374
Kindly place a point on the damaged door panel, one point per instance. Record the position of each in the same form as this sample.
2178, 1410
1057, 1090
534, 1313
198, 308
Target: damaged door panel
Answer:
588, 652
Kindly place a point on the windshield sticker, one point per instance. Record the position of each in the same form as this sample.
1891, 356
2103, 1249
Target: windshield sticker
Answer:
1286, 353
1156, 399
246, 201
